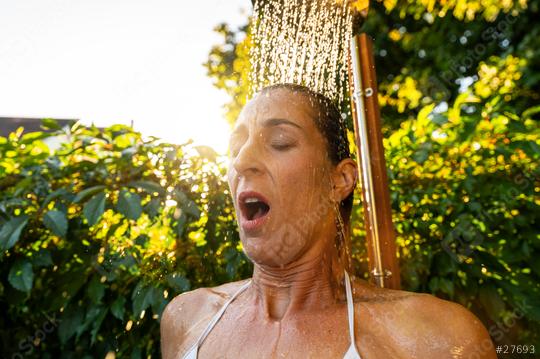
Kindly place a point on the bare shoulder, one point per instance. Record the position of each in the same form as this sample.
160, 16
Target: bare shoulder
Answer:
465, 335
186, 314
435, 327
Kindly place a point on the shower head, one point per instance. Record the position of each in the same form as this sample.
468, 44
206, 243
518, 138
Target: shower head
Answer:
359, 9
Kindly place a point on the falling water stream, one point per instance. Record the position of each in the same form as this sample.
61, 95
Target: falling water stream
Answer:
302, 42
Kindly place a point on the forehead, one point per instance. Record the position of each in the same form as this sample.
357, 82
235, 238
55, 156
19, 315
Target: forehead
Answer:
279, 104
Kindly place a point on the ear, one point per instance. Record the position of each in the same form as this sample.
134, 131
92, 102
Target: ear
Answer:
344, 179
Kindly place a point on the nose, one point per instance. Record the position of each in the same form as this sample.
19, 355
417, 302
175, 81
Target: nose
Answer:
248, 159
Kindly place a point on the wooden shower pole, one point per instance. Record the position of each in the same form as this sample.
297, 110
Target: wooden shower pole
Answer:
380, 239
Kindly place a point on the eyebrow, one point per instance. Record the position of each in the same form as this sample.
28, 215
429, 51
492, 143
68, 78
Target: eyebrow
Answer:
280, 121
272, 122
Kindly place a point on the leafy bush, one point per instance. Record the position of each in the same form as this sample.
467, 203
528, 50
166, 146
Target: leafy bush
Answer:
97, 236
464, 188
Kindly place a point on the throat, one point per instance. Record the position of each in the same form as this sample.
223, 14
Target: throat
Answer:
286, 292
278, 306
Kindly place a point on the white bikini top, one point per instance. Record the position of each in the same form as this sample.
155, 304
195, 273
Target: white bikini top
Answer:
352, 353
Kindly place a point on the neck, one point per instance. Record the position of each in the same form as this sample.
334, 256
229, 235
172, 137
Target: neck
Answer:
312, 282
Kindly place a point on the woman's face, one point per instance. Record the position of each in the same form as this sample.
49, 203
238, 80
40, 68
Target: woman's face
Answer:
279, 176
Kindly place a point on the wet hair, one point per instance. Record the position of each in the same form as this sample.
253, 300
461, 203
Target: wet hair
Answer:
331, 125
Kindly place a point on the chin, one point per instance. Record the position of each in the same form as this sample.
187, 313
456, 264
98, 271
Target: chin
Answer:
273, 252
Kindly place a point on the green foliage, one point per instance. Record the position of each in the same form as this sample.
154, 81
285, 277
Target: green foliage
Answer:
228, 65
21, 276
458, 88
97, 236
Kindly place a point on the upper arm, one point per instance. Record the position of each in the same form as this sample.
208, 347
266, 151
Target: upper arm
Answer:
467, 336
171, 328
177, 321
471, 334
180, 321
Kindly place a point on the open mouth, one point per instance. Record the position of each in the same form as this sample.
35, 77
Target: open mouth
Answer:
254, 206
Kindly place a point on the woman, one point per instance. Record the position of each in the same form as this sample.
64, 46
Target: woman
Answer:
292, 180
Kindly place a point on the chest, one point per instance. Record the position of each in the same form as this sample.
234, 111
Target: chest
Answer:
244, 334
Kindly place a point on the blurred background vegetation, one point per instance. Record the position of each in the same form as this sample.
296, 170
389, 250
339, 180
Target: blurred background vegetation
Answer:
98, 235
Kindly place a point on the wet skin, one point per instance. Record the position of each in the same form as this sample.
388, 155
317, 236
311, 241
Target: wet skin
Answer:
296, 306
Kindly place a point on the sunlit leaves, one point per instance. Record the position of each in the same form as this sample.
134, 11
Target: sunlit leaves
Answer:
207, 152
463, 10
104, 212
498, 76
402, 94
149, 186
228, 65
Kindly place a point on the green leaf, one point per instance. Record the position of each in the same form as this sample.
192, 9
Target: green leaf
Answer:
446, 286
70, 322
181, 224
422, 120
444, 263
186, 204
142, 297
129, 204
42, 259
94, 317
152, 208
58, 193
71, 283
148, 186
191, 208
57, 222
11, 232
21, 276
33, 137
87, 193
95, 290
491, 301
94, 208
117, 308
50, 124
531, 111
136, 353
178, 282
98, 319
421, 156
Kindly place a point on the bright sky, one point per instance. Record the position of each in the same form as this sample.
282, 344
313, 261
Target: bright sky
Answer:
116, 61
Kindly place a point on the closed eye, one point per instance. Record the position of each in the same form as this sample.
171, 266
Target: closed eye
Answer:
280, 146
